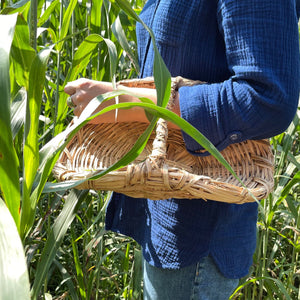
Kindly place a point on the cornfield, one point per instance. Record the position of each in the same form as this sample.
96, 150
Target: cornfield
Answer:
53, 244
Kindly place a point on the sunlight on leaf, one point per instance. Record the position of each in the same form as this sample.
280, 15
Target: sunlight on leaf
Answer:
9, 183
14, 283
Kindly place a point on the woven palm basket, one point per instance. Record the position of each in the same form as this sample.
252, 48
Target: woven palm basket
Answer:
165, 169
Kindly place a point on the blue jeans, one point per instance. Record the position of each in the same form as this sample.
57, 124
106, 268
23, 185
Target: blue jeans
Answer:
201, 281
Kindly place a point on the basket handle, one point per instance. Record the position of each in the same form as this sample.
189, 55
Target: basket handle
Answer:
159, 151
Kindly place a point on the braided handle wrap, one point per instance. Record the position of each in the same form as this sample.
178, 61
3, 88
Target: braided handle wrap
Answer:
159, 151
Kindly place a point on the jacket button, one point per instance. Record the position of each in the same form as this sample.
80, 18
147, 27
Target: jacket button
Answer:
233, 137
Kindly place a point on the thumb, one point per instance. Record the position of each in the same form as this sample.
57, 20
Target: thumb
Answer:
70, 88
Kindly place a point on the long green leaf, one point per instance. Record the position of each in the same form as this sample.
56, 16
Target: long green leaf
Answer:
47, 13
9, 183
66, 22
161, 73
288, 140
294, 181
121, 37
55, 238
137, 274
126, 6
31, 148
18, 111
183, 124
67, 279
254, 281
22, 54
14, 283
15, 7
79, 271
96, 16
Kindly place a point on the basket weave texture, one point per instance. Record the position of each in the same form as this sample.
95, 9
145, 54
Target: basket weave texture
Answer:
165, 169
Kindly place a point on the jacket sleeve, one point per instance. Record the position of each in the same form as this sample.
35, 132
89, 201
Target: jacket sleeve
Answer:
260, 98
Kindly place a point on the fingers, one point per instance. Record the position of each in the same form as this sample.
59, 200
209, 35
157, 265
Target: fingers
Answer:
82, 91
73, 86
75, 105
77, 90
77, 110
70, 89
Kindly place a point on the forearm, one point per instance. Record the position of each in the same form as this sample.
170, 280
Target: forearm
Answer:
82, 91
138, 113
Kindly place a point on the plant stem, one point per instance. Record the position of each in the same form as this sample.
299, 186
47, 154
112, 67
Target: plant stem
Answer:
58, 68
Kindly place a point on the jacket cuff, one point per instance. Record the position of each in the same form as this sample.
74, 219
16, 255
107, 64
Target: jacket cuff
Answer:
199, 110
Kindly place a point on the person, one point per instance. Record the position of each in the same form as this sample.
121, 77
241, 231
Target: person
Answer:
247, 53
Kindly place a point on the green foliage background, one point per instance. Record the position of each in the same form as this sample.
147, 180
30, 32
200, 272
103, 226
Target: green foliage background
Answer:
68, 253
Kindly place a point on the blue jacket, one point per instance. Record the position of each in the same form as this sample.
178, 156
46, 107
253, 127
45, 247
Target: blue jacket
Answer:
247, 52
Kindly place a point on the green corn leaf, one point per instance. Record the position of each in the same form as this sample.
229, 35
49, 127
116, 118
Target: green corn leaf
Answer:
96, 16
162, 78
18, 110
161, 73
36, 85
283, 180
66, 22
113, 57
14, 283
121, 37
288, 141
280, 285
294, 181
137, 274
126, 6
31, 147
84, 52
67, 279
292, 206
9, 183
22, 54
15, 7
55, 238
79, 271
47, 13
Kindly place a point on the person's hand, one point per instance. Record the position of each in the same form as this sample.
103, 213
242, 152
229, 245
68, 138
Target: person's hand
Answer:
82, 91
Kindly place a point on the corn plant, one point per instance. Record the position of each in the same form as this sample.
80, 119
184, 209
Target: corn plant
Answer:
69, 255
36, 62
275, 272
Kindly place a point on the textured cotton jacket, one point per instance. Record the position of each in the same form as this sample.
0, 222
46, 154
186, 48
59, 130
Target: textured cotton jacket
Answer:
247, 52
